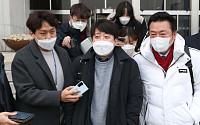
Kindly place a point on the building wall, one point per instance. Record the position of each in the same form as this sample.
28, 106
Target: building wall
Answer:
13, 18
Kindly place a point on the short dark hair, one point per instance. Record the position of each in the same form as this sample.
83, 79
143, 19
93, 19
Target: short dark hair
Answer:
36, 18
106, 26
163, 16
131, 32
121, 10
80, 10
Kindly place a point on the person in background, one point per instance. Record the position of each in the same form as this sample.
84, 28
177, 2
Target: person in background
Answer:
41, 73
193, 41
124, 17
115, 88
72, 33
129, 40
170, 96
7, 101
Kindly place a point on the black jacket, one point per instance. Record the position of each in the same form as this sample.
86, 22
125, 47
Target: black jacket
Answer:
193, 41
35, 87
7, 102
66, 30
125, 98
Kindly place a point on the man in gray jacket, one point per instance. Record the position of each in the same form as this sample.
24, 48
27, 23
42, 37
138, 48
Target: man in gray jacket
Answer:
41, 71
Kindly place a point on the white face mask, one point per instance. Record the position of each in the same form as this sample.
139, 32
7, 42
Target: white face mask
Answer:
103, 48
124, 20
47, 44
129, 49
79, 25
160, 44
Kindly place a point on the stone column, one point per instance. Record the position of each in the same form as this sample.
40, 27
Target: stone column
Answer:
13, 18
136, 7
194, 16
74, 2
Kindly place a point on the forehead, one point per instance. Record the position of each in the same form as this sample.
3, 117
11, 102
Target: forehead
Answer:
77, 17
46, 26
160, 26
99, 32
125, 10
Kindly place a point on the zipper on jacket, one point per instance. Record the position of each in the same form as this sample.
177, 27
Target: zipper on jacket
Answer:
165, 73
175, 61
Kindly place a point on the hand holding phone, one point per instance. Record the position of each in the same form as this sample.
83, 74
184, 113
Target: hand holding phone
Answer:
81, 87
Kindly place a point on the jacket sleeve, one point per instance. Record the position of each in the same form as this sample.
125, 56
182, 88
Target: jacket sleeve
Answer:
60, 36
195, 107
135, 96
26, 89
69, 107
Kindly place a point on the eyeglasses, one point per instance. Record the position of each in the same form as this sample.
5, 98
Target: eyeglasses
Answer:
77, 20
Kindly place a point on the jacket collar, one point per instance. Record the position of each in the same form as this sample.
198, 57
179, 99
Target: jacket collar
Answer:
42, 63
118, 53
179, 43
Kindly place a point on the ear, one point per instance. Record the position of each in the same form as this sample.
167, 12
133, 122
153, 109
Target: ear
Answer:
70, 17
175, 33
32, 34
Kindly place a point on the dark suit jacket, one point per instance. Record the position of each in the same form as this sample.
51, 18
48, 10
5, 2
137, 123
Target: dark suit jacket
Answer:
7, 102
35, 88
125, 98
193, 41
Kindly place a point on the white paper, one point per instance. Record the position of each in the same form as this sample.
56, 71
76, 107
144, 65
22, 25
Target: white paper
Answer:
86, 45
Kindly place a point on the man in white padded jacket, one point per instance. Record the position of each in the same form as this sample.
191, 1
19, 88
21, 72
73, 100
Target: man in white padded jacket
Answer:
168, 92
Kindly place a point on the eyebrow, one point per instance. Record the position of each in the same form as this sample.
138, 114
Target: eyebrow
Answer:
159, 31
96, 33
47, 30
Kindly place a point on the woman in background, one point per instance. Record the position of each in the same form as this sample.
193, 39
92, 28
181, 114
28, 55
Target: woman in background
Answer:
129, 40
124, 17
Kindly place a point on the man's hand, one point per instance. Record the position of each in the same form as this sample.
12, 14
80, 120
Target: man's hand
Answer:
69, 96
4, 120
66, 42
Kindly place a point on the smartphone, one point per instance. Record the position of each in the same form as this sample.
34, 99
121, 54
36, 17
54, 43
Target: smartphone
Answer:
72, 42
121, 39
80, 86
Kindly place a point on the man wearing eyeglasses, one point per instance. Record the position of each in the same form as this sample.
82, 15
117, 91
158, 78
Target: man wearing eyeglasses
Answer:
71, 34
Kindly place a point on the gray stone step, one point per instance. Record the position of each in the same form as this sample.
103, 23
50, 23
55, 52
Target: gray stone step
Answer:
8, 58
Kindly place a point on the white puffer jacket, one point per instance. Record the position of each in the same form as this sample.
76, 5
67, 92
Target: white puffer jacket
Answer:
168, 96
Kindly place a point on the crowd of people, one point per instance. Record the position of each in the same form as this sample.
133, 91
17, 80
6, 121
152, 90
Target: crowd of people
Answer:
133, 78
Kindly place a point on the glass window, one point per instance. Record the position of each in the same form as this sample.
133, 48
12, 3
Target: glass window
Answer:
183, 25
39, 4
152, 4
199, 23
61, 4
184, 28
64, 18
112, 4
178, 4
96, 17
94, 4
